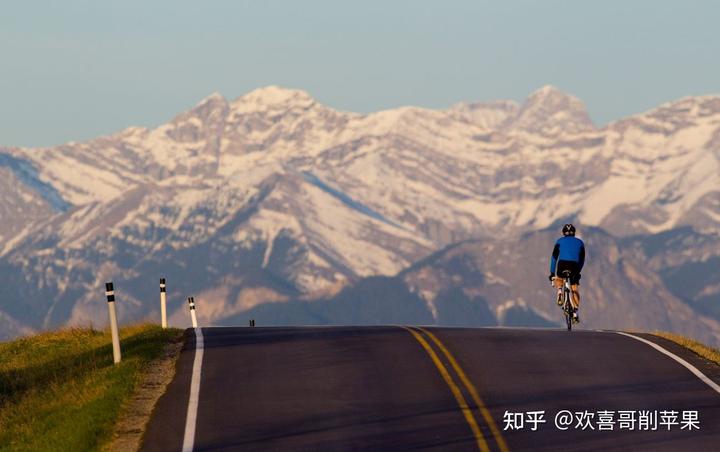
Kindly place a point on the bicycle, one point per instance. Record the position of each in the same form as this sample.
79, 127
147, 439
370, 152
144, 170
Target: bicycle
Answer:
567, 306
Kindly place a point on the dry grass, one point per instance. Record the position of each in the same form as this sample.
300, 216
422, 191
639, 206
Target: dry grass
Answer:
697, 347
61, 391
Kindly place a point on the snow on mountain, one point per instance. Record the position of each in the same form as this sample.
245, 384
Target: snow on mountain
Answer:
314, 198
488, 115
295, 236
667, 161
524, 167
20, 206
550, 112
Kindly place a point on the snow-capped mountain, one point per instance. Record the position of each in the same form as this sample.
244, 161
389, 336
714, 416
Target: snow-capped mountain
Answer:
273, 196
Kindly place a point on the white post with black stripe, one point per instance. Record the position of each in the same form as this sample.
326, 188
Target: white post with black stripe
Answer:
191, 302
163, 305
110, 293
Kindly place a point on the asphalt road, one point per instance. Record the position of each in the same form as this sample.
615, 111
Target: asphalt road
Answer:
394, 388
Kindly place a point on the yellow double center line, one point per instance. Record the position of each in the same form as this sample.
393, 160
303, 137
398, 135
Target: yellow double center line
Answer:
457, 392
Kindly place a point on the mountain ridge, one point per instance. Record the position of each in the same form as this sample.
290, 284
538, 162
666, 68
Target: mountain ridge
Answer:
318, 199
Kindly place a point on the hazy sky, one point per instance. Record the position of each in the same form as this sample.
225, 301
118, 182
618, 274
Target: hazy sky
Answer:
73, 70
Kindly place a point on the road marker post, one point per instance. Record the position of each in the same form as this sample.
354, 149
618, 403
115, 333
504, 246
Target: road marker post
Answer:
163, 306
110, 293
193, 316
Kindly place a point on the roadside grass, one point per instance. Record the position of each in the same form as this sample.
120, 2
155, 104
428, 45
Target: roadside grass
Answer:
697, 347
60, 390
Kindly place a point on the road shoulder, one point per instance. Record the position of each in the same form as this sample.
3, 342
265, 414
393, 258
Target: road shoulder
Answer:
704, 365
135, 416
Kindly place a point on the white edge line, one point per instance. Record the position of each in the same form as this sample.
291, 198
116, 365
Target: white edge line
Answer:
191, 420
689, 366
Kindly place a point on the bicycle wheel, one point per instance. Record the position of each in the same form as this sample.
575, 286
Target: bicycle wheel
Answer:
567, 307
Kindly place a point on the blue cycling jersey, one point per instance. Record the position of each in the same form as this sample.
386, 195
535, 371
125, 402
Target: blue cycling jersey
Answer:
568, 248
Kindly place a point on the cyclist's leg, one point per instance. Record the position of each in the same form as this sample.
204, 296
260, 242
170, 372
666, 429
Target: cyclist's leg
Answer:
558, 285
575, 287
576, 295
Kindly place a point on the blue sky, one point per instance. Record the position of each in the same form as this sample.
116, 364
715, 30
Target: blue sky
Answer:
74, 70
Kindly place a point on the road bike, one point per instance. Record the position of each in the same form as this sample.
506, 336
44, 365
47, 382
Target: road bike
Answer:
567, 306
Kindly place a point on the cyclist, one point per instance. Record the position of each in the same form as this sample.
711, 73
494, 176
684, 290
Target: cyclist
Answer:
568, 254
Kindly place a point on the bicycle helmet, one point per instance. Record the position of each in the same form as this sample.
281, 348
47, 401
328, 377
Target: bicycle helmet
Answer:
568, 229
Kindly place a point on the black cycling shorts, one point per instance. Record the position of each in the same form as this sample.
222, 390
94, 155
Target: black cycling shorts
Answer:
571, 266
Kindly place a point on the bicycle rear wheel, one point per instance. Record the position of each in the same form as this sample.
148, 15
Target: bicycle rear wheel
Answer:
567, 308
